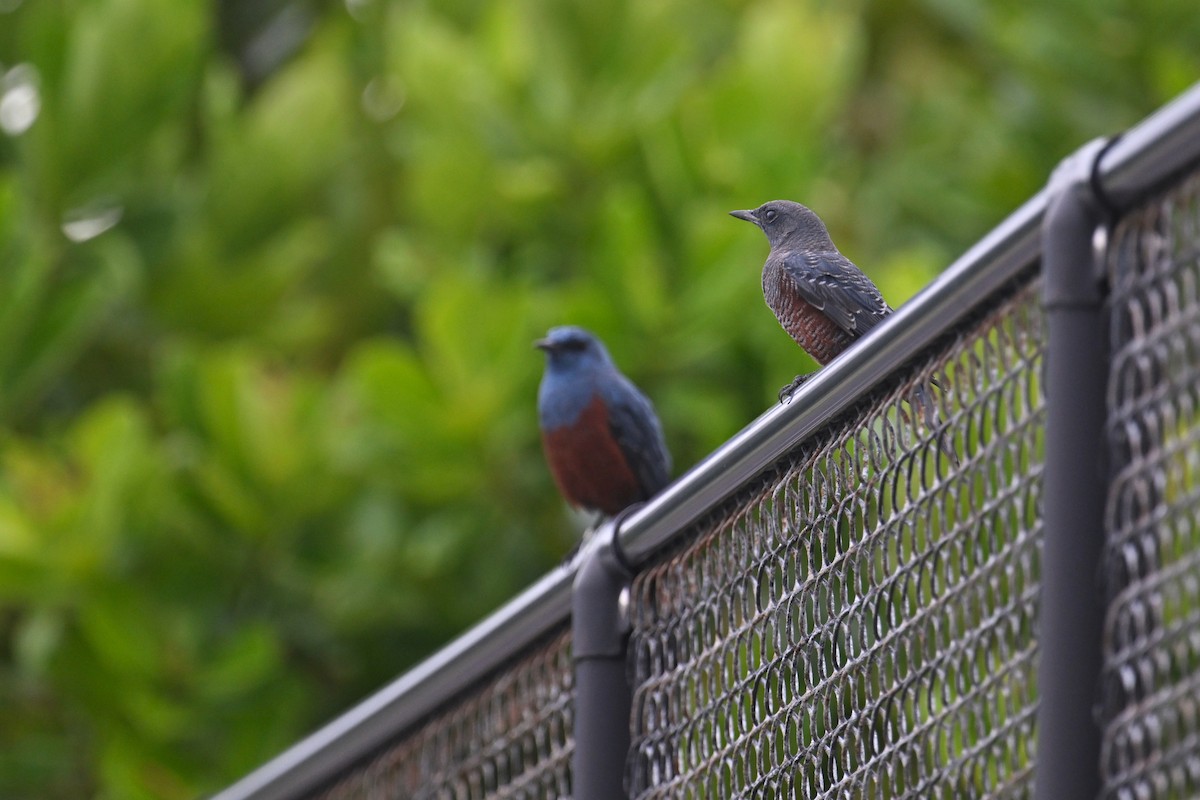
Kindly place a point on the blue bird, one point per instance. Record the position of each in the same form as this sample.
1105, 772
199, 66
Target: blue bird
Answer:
601, 437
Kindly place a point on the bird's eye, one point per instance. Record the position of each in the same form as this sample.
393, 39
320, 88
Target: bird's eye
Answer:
770, 215
574, 345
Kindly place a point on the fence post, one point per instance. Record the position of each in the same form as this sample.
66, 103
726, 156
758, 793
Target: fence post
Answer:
1071, 604
600, 633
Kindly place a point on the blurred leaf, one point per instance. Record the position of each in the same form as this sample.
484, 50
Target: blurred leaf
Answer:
248, 661
37, 640
109, 97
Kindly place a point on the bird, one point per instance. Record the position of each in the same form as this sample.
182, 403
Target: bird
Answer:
819, 296
602, 440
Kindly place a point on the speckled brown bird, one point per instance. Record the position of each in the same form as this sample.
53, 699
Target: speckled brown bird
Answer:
822, 300
820, 297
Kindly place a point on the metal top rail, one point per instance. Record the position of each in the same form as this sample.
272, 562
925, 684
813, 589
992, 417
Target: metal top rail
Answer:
371, 723
1139, 161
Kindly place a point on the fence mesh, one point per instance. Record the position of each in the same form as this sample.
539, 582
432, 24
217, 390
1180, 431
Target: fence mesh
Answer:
861, 623
1151, 675
509, 739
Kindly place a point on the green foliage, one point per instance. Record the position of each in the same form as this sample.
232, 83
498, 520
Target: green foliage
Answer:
266, 384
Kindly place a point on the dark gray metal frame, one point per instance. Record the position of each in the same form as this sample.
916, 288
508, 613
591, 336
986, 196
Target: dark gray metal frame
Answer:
1071, 610
1057, 225
600, 631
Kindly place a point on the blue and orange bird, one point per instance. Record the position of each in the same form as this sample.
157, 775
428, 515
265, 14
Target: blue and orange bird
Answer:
602, 439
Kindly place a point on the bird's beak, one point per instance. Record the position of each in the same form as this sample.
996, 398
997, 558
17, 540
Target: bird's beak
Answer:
746, 215
543, 344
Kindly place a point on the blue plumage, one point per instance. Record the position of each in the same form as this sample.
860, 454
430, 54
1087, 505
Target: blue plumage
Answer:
601, 437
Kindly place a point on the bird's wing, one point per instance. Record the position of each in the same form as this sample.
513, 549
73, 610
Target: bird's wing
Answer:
831, 283
635, 427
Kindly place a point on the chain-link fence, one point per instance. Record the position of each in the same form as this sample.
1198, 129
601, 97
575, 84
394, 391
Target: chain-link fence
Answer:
846, 599
1151, 746
861, 622
508, 739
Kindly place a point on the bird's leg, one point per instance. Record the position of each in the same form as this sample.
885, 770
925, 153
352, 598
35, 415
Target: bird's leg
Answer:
785, 394
574, 551
584, 538
921, 403
591, 529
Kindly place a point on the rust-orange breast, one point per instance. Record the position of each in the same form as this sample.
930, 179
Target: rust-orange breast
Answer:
588, 465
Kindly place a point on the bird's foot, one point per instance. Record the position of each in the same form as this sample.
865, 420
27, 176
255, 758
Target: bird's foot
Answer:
584, 538
575, 553
785, 394
569, 558
946, 444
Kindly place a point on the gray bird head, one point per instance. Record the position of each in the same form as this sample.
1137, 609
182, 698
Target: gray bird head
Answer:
569, 347
788, 223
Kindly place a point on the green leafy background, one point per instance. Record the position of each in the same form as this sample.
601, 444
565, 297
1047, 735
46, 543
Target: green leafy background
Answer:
269, 439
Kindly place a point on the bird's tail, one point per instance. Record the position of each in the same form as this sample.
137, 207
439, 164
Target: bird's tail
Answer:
923, 404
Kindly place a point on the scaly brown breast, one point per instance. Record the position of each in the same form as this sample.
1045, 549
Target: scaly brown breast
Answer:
820, 336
